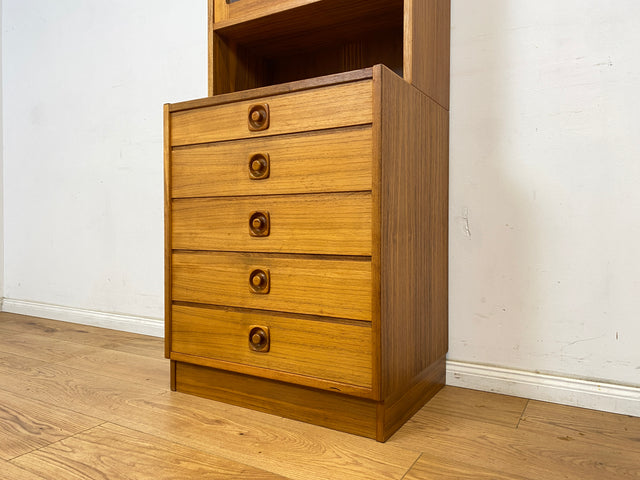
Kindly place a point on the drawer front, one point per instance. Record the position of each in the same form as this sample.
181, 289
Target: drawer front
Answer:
338, 224
333, 288
307, 110
327, 161
329, 351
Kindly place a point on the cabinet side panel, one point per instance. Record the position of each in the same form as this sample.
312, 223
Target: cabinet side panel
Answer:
414, 261
167, 231
211, 9
427, 45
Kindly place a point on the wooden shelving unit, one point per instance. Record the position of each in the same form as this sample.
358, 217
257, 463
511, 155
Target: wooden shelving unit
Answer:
306, 212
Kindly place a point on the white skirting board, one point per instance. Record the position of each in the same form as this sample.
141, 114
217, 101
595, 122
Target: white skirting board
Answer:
602, 396
114, 321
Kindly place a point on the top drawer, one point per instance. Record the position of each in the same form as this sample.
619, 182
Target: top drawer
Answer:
316, 109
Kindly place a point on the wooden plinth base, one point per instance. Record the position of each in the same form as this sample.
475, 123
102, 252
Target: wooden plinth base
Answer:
368, 418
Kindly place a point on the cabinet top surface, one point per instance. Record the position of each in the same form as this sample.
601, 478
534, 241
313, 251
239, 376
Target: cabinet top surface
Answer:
355, 75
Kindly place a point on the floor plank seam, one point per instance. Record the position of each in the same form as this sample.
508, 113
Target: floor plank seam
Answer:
412, 465
11, 460
522, 414
186, 444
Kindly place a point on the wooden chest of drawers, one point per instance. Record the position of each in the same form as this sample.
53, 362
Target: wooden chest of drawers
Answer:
306, 249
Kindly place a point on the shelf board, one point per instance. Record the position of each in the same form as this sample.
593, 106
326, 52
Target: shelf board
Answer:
310, 24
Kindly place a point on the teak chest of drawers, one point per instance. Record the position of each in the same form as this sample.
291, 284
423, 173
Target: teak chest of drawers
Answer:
306, 261
306, 209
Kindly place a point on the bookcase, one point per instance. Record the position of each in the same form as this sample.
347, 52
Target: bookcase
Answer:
306, 205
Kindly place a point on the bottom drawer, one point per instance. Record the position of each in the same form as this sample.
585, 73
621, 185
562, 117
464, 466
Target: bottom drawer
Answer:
326, 350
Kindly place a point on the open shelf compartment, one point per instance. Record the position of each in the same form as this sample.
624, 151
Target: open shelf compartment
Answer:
256, 43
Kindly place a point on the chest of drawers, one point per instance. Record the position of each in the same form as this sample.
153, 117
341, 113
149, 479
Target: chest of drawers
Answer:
306, 249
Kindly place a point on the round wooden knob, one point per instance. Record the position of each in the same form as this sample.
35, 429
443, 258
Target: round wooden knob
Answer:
259, 224
257, 116
259, 166
257, 338
258, 279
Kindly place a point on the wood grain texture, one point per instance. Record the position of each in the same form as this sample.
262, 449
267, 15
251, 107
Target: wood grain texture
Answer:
26, 424
340, 412
414, 238
477, 446
591, 427
326, 161
282, 28
80, 334
268, 90
16, 473
294, 449
212, 49
86, 393
399, 408
433, 467
489, 407
317, 109
117, 365
326, 350
463, 435
167, 227
333, 288
111, 451
370, 48
263, 43
402, 224
329, 224
248, 9
427, 35
32, 345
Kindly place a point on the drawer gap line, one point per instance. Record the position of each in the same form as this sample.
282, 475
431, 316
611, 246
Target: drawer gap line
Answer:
253, 137
284, 195
276, 313
286, 255
306, 133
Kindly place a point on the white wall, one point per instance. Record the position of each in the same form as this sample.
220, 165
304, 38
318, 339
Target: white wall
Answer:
84, 85
545, 196
545, 204
1, 181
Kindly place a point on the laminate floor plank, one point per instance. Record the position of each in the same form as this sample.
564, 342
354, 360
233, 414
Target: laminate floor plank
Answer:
147, 346
87, 393
123, 365
113, 452
26, 424
70, 332
437, 468
286, 447
600, 429
84, 402
513, 452
8, 471
39, 347
476, 405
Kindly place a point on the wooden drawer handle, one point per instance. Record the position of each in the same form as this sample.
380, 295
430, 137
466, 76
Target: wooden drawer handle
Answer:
259, 224
259, 281
259, 340
259, 166
259, 117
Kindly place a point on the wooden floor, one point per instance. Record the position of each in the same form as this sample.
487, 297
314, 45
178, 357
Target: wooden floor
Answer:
80, 402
